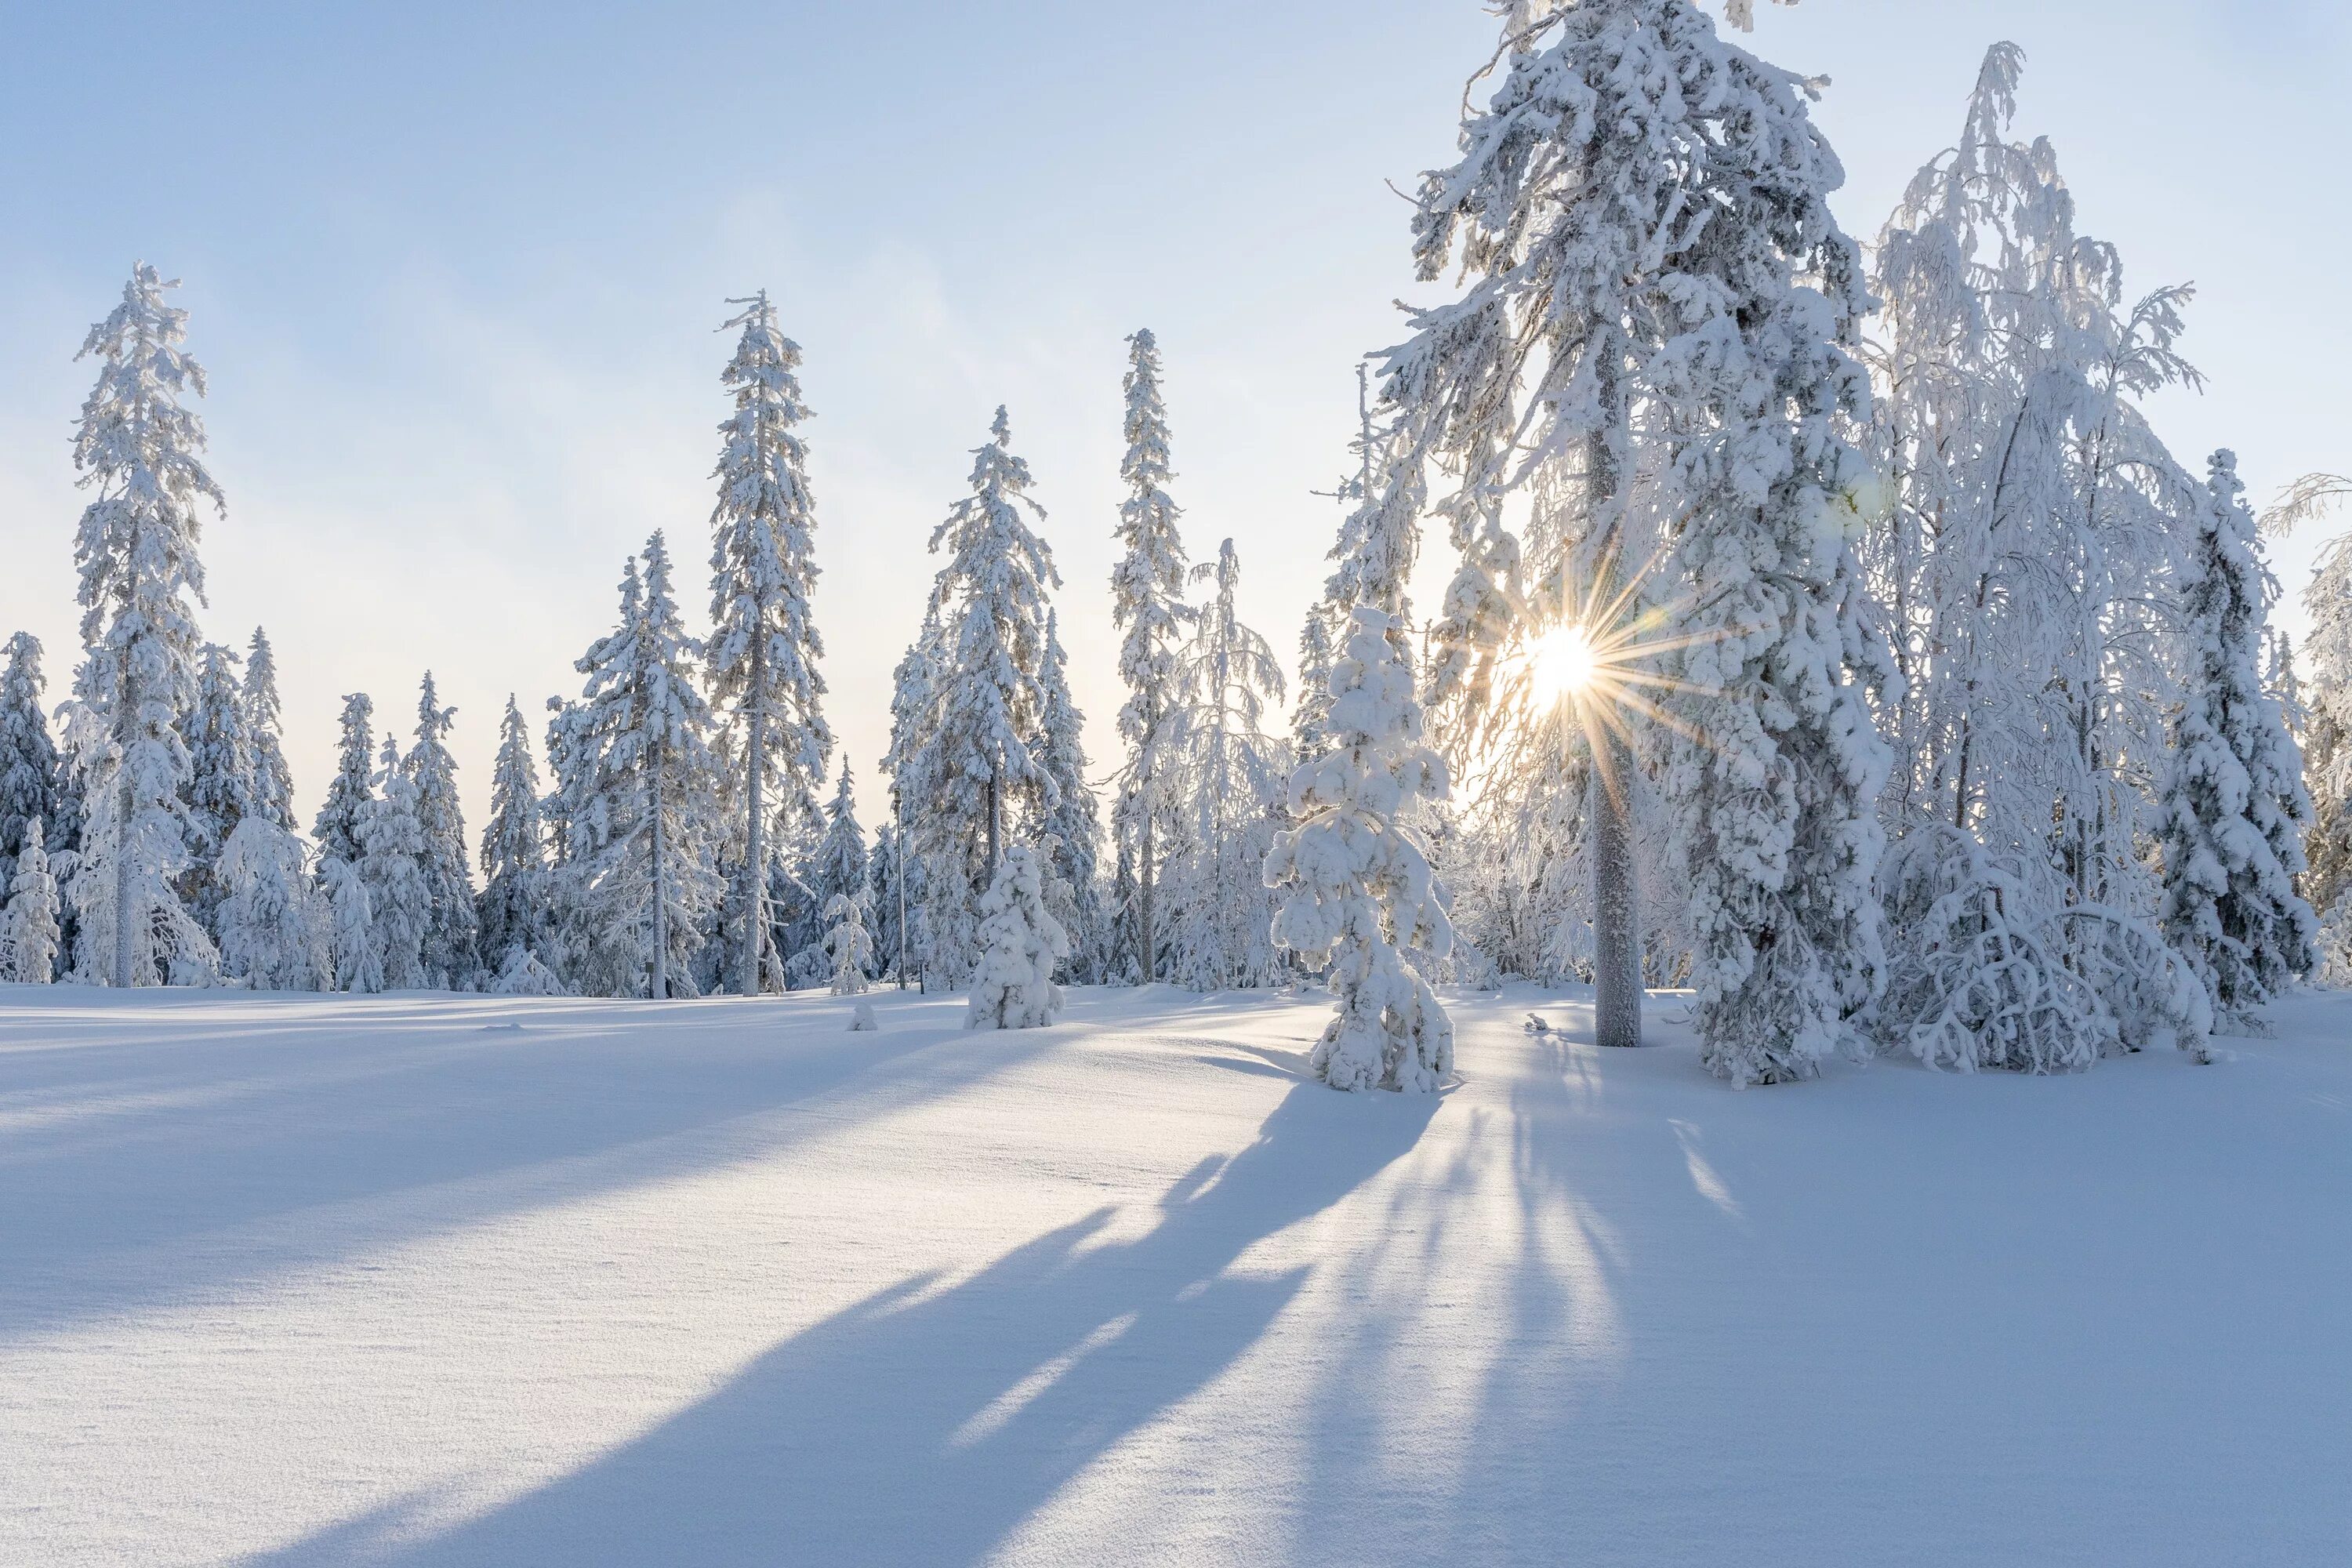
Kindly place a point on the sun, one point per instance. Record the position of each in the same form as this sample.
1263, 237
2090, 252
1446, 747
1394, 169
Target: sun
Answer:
1563, 663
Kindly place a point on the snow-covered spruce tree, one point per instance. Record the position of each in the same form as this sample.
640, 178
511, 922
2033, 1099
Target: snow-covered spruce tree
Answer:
914, 709
1021, 946
30, 779
29, 925
400, 899
340, 826
219, 793
265, 729
764, 651
358, 954
892, 902
451, 931
1599, 310
976, 759
1069, 831
523, 975
1147, 606
845, 939
837, 868
2233, 811
140, 583
512, 909
1326, 626
647, 808
2032, 527
276, 931
1229, 774
573, 947
1354, 878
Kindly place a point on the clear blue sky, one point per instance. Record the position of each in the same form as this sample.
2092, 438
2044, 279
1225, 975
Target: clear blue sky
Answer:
454, 271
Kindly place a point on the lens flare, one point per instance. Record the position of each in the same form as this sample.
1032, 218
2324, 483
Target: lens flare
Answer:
1563, 663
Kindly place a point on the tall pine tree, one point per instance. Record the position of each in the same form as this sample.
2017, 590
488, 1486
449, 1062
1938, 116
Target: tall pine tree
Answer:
450, 957
399, 898
975, 756
265, 729
1594, 296
1147, 606
512, 909
340, 827
764, 651
220, 792
140, 583
647, 810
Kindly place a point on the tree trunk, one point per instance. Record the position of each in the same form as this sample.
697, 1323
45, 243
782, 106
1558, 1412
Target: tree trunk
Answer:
995, 818
901, 839
1146, 940
1609, 796
661, 899
1616, 896
755, 871
124, 803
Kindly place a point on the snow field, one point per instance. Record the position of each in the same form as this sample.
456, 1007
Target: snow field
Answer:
434, 1281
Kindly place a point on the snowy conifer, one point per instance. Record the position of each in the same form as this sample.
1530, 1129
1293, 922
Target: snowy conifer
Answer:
451, 931
2234, 810
358, 955
1598, 311
400, 899
1069, 831
1021, 945
140, 583
265, 729
914, 709
220, 788
974, 750
1326, 626
847, 940
1230, 775
837, 867
513, 908
339, 830
30, 781
523, 975
644, 801
1354, 877
894, 898
765, 647
276, 931
29, 923
1148, 605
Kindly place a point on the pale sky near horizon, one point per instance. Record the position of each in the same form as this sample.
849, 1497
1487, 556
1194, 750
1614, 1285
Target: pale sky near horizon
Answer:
455, 272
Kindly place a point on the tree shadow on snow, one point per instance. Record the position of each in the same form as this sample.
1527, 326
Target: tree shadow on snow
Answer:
925, 1422
195, 1154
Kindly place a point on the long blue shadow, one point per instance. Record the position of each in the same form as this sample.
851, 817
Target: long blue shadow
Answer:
308, 1137
920, 1427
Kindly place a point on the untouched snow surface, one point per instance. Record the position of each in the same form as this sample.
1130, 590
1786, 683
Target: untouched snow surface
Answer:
504, 1281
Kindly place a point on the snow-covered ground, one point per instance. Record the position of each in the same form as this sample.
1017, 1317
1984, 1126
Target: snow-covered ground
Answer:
420, 1281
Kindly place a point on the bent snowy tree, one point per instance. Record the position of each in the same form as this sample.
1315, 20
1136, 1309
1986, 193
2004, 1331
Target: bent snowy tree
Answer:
1354, 874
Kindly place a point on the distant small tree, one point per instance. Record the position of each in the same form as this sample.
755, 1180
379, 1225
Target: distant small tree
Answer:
30, 924
1021, 945
846, 939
